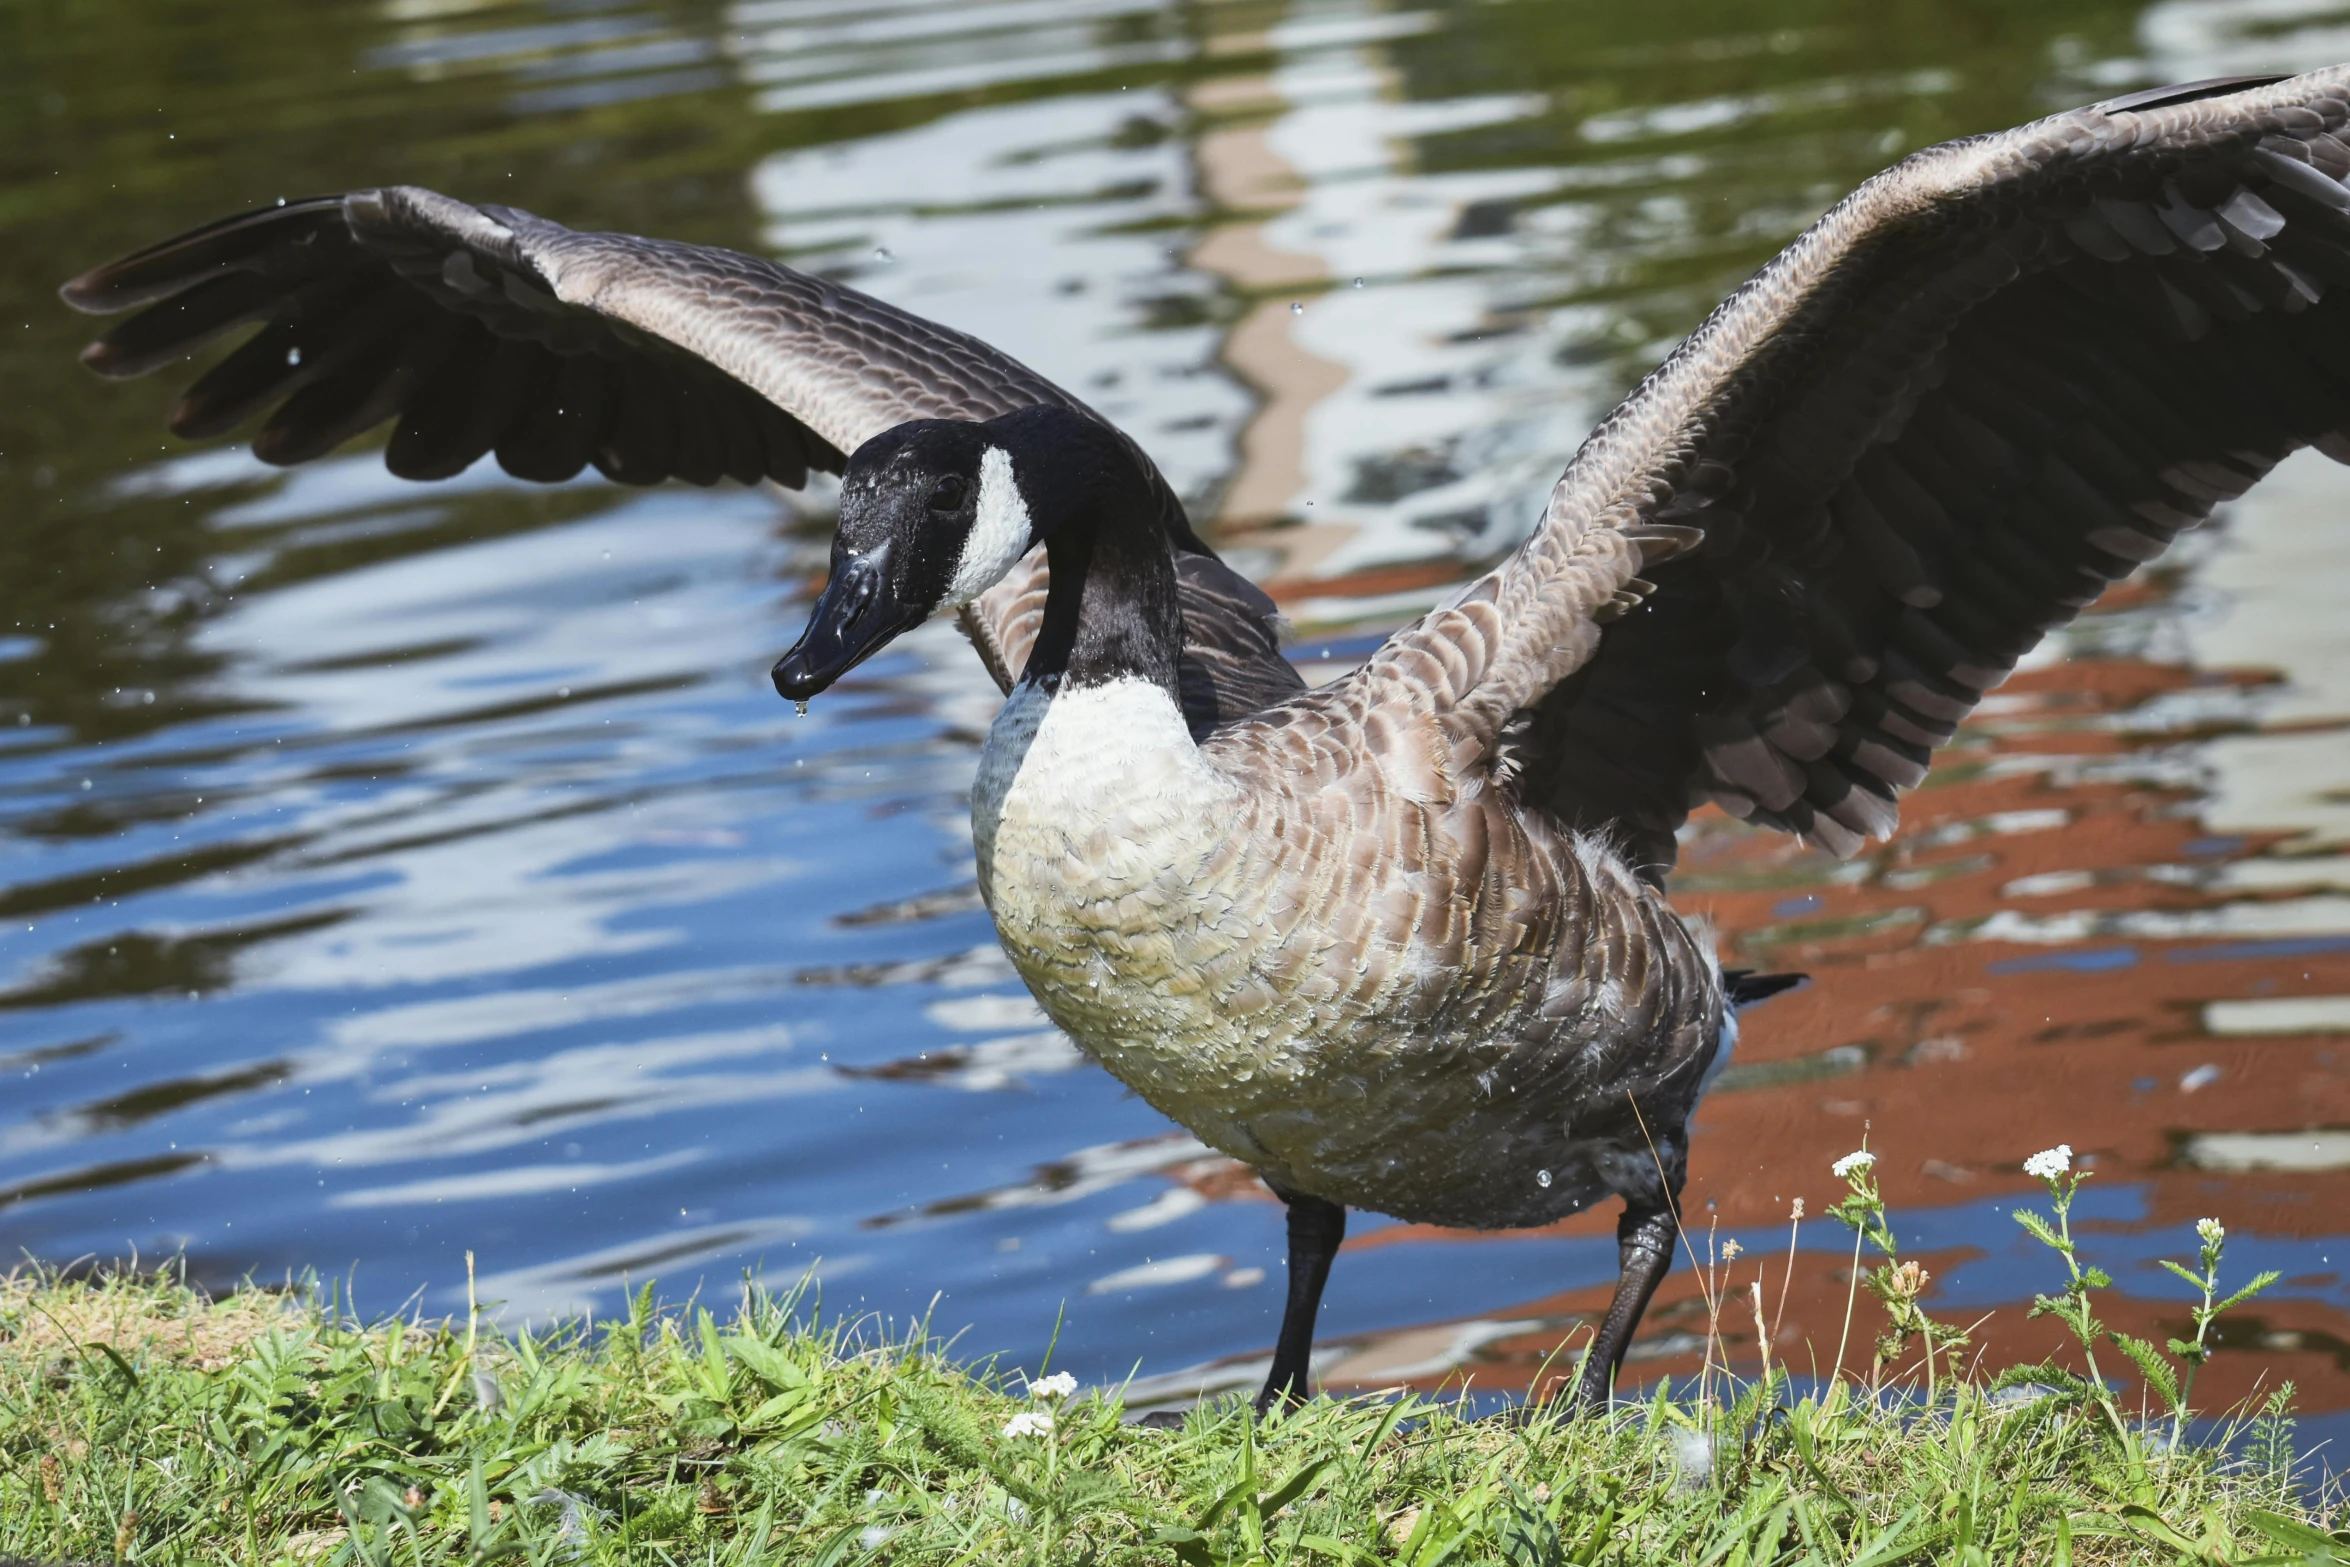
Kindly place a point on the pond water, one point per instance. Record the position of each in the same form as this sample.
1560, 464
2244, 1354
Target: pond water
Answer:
393, 872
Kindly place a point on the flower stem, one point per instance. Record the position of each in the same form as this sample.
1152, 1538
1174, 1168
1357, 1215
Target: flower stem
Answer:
2178, 1419
1851, 1295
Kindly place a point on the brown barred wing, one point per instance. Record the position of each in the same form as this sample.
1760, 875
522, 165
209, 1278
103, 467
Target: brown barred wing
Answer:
1991, 382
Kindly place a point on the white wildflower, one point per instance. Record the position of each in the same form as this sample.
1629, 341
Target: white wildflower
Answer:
1029, 1422
2212, 1231
1059, 1385
1860, 1159
2049, 1163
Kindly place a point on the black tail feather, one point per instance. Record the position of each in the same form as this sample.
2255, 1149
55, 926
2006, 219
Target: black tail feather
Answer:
1746, 988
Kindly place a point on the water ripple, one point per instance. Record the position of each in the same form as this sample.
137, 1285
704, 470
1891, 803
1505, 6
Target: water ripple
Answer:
388, 871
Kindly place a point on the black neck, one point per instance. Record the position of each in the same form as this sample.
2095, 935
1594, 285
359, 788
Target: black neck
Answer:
1111, 612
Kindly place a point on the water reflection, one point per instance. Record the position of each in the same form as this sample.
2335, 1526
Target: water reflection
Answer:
391, 871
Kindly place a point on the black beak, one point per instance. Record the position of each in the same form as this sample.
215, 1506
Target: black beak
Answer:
856, 616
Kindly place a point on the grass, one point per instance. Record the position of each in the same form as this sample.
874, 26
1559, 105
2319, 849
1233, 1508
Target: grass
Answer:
141, 1422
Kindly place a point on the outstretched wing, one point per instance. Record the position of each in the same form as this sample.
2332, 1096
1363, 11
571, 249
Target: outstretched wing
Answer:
1990, 382
486, 329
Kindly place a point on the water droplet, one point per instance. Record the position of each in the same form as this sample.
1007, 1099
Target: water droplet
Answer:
1297, 308
1542, 1178
1358, 282
607, 554
85, 783
293, 356
563, 692
882, 253
802, 705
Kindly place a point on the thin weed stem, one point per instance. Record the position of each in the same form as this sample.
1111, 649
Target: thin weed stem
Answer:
1851, 1299
1794, 1228
1713, 1318
1672, 1202
472, 1328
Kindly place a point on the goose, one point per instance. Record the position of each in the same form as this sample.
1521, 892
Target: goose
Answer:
1402, 942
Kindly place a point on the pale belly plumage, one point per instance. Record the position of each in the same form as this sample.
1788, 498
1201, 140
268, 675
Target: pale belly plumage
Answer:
1138, 890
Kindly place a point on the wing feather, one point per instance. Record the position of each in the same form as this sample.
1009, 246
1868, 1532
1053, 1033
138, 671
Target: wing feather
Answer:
487, 329
1998, 377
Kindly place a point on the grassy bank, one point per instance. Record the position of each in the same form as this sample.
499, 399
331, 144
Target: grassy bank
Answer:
142, 1422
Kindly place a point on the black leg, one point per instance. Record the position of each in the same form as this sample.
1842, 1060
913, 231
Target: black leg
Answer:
1315, 1229
1644, 1243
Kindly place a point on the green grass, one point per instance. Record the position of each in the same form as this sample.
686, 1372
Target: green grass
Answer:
142, 1422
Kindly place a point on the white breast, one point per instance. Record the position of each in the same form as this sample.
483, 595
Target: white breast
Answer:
1110, 856
1107, 770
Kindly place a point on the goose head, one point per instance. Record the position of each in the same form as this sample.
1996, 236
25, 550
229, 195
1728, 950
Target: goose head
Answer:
933, 512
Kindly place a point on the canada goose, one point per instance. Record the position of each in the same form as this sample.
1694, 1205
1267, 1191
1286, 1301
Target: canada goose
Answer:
1401, 942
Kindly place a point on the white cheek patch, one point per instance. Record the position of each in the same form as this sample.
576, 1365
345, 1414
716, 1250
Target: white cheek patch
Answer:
999, 535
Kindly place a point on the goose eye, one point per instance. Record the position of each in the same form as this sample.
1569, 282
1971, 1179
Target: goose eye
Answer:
949, 494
